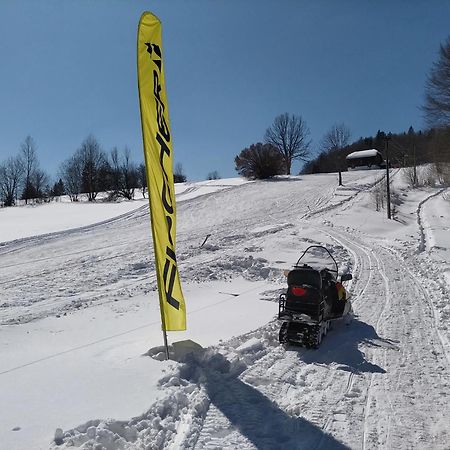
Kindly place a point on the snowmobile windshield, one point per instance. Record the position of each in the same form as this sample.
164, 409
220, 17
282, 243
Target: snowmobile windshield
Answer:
318, 258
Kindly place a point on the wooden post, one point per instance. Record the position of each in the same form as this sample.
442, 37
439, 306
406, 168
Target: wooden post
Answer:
388, 189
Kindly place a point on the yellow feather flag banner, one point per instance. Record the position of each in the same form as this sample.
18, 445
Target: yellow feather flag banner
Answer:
158, 161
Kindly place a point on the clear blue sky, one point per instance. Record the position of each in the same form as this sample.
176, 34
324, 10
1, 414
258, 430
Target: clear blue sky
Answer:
68, 69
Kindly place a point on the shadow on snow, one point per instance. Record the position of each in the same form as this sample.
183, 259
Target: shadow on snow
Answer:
255, 416
342, 346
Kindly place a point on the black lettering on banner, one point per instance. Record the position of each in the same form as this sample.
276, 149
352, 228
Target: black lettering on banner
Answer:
169, 265
150, 48
171, 254
162, 124
169, 227
169, 286
157, 50
163, 137
166, 195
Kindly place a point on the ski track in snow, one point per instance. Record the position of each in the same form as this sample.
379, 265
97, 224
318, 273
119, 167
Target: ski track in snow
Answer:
362, 389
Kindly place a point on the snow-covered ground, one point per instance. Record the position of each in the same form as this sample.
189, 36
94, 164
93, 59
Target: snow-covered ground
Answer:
80, 337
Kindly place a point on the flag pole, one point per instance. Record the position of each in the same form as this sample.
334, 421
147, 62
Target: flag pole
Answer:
166, 345
163, 323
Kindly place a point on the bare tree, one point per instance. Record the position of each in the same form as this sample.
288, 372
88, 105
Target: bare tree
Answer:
178, 174
442, 171
40, 181
129, 174
30, 165
410, 176
128, 177
142, 178
289, 134
71, 172
115, 170
95, 169
10, 176
214, 175
378, 194
437, 89
123, 173
336, 138
260, 161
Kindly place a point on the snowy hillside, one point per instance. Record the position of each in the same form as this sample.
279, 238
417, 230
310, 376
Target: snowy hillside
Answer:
80, 338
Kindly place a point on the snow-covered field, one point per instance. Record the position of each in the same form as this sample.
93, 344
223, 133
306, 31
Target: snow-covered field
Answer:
80, 337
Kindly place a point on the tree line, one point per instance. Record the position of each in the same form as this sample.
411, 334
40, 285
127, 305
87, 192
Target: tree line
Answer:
22, 173
87, 172
91, 170
287, 139
405, 149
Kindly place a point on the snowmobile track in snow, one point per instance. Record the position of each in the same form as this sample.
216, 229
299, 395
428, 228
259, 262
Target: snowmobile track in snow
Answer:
423, 241
380, 319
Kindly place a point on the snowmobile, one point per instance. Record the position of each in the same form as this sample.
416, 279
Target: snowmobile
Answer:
313, 299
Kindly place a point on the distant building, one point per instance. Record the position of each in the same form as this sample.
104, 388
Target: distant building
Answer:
365, 159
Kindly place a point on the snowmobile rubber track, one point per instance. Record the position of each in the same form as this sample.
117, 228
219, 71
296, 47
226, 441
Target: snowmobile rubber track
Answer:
295, 333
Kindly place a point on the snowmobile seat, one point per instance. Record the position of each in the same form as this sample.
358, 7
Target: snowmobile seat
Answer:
304, 294
303, 276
